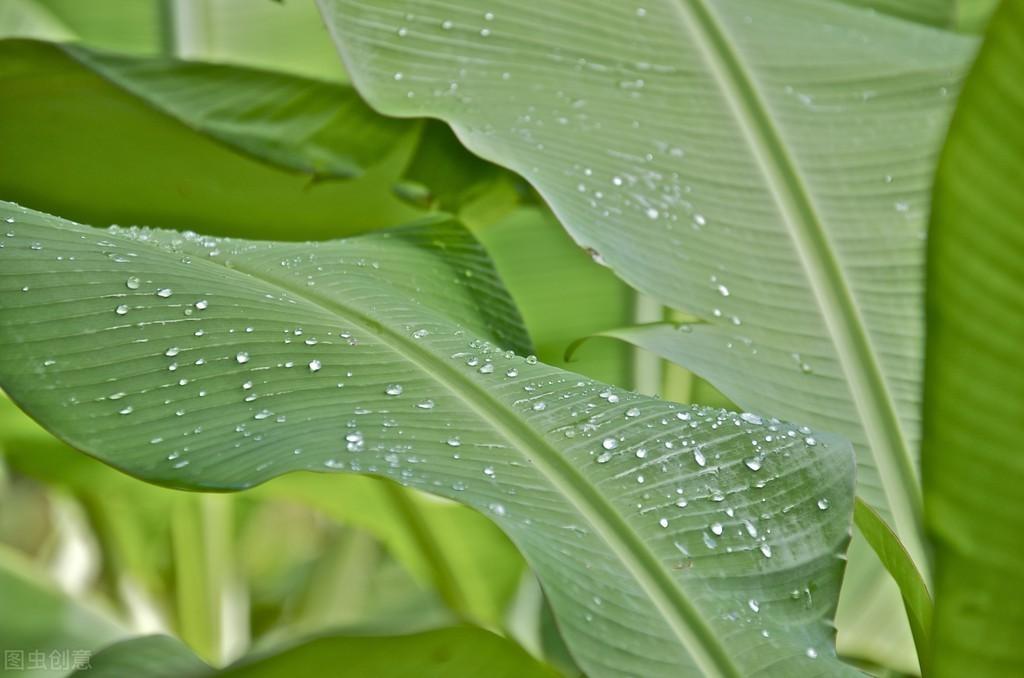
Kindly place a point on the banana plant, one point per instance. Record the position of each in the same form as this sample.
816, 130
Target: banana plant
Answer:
668, 539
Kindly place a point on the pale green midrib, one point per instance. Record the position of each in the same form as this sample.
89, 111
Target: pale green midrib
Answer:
678, 611
857, 358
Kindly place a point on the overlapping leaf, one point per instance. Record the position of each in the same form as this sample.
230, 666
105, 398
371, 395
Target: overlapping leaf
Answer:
670, 541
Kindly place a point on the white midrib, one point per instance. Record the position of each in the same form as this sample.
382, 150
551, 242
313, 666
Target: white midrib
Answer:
859, 363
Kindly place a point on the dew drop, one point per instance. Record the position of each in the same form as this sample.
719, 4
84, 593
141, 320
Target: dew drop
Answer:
633, 412
751, 418
315, 365
698, 457
489, 471
539, 406
717, 529
127, 409
241, 357
425, 404
723, 290
754, 464
604, 457
202, 304
651, 213
132, 283
663, 522
766, 550
609, 443
454, 442
122, 309
164, 292
823, 504
812, 653
753, 605
512, 372
810, 441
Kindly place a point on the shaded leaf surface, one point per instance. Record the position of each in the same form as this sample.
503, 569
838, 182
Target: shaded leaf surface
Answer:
973, 459
669, 540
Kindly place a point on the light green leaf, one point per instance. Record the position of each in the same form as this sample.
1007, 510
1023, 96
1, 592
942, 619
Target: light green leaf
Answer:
443, 653
940, 13
310, 126
667, 541
127, 26
763, 166
38, 617
692, 146
974, 384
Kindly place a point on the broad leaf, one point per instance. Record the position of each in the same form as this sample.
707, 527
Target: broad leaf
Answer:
763, 166
311, 126
456, 651
671, 541
973, 459
76, 144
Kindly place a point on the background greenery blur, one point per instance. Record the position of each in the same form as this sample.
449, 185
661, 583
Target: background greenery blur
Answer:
89, 555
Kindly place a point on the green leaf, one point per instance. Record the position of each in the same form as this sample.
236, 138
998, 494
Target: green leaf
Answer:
670, 541
38, 617
443, 653
762, 166
974, 385
310, 126
78, 145
897, 561
148, 657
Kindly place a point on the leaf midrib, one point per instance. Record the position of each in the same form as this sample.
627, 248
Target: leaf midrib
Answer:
857, 358
678, 611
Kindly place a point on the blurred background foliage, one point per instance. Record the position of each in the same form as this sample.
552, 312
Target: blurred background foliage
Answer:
88, 555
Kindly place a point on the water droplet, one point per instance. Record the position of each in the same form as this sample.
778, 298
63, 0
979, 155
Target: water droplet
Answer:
393, 389
122, 309
486, 368
354, 441
425, 404
751, 418
398, 75
823, 504
609, 443
202, 304
497, 509
262, 414
485, 32
663, 522
531, 359
754, 464
651, 213
311, 341
447, 24
489, 471
419, 334
723, 290
127, 409
241, 357
699, 219
512, 372
132, 283
604, 457
717, 529
164, 292
641, 452
172, 351
810, 441
681, 503
454, 442
812, 653
539, 406
633, 412
753, 605
314, 365
766, 550
698, 457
